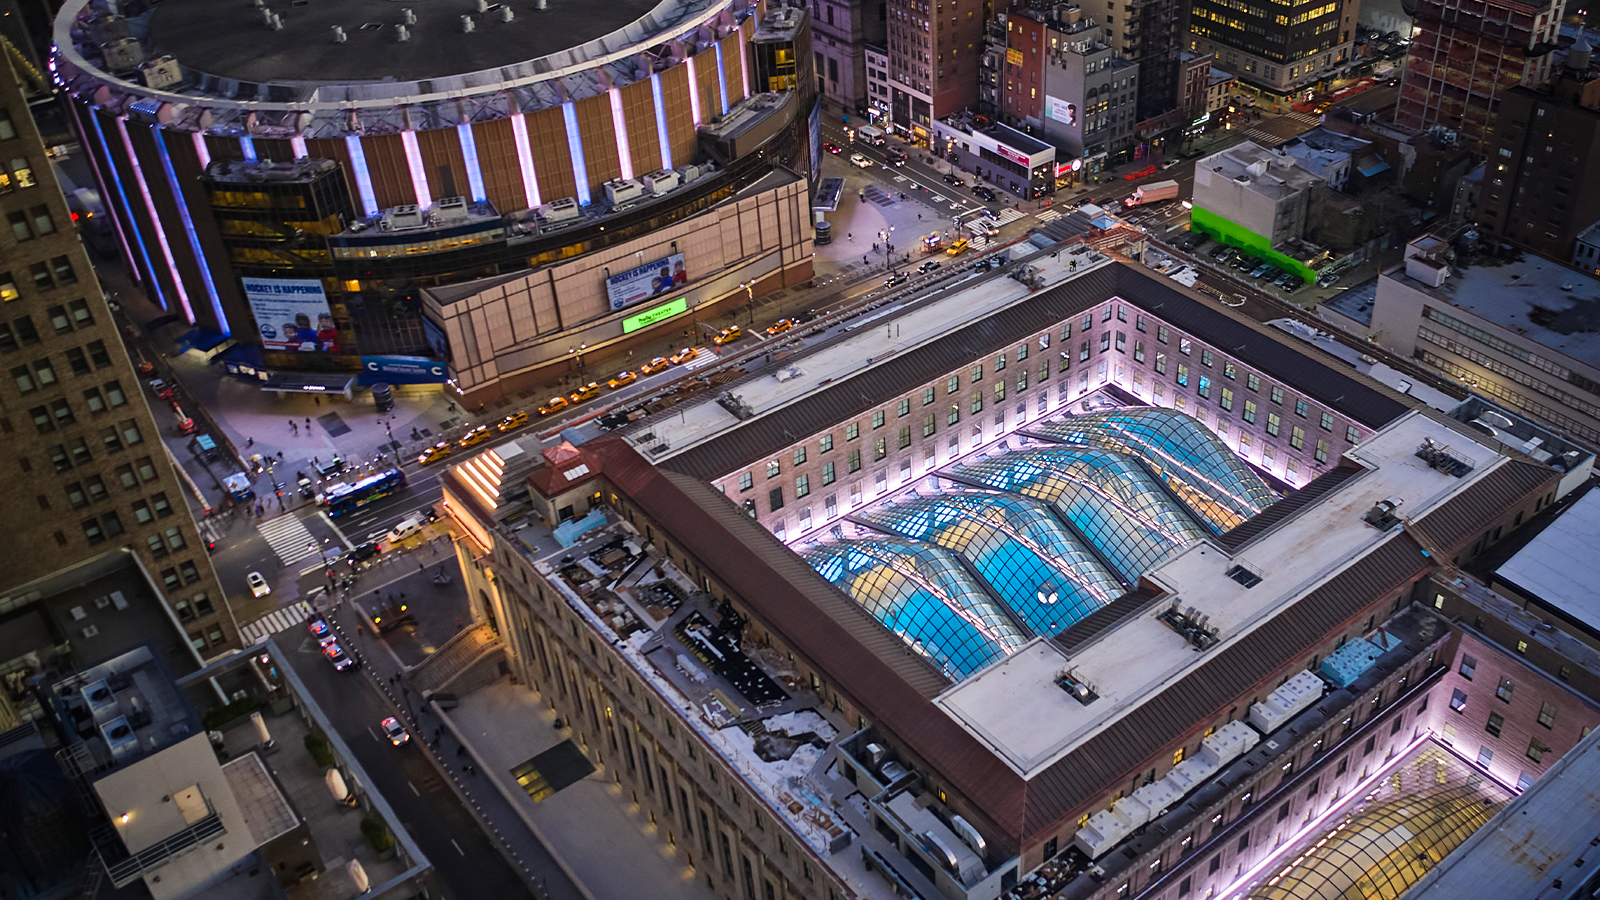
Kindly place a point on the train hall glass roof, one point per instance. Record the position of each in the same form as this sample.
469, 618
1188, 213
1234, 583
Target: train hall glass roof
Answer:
1043, 537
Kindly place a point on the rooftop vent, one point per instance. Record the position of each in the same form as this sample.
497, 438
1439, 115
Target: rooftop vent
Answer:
1438, 456
1193, 625
1080, 689
1382, 514
1244, 576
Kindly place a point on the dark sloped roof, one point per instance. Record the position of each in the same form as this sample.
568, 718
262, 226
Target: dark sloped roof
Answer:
1124, 746
1460, 521
1275, 355
884, 677
1259, 523
1129, 604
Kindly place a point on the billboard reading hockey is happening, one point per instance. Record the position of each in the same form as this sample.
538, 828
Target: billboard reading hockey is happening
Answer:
293, 314
649, 280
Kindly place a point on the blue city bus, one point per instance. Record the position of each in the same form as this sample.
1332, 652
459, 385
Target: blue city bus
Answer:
345, 498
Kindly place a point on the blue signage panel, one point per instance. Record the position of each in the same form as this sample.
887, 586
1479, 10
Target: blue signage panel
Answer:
403, 370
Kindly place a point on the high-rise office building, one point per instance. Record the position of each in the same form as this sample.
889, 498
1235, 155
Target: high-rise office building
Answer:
933, 60
1284, 49
1464, 56
1152, 33
86, 473
840, 34
1538, 189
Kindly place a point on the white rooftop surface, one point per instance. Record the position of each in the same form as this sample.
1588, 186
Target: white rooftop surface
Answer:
933, 315
1543, 569
1377, 371
1015, 706
1510, 295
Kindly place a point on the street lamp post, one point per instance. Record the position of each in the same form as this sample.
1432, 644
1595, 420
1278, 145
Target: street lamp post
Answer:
888, 248
750, 302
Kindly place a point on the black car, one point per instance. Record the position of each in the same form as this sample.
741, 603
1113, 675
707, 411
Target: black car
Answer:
953, 178
897, 278
927, 267
331, 468
983, 193
981, 265
362, 553
307, 489
895, 157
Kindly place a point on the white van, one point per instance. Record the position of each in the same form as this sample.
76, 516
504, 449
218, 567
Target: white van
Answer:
407, 527
873, 135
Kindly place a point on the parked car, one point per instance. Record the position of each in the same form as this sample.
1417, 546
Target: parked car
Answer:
164, 389
621, 379
1260, 270
1328, 280
983, 193
1221, 253
513, 421
258, 585
860, 161
320, 630
555, 405
405, 528
394, 731
1285, 278
1294, 284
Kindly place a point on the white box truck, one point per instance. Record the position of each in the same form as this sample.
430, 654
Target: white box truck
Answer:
1150, 193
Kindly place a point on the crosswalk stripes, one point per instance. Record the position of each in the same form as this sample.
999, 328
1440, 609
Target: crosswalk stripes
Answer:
275, 621
1008, 215
289, 538
900, 179
977, 242
1049, 215
1305, 118
1264, 138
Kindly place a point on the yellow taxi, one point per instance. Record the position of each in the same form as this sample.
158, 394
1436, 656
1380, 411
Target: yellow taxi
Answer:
958, 248
587, 392
515, 420
556, 404
435, 453
621, 379
475, 436
655, 365
684, 355
779, 327
728, 335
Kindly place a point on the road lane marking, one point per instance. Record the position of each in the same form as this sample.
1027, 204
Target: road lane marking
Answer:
419, 794
458, 847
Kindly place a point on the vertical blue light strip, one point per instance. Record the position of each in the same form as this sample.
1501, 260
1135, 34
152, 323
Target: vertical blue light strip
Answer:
247, 146
580, 172
105, 189
358, 162
161, 233
661, 122
188, 226
469, 152
133, 221
722, 78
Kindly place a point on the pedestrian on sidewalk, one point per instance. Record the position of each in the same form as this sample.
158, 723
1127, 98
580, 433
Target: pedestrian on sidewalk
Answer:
249, 442
308, 424
317, 399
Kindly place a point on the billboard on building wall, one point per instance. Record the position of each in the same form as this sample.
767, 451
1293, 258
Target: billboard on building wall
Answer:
649, 280
292, 314
1060, 110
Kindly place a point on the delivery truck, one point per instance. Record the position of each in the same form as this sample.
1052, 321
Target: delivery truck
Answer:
1150, 193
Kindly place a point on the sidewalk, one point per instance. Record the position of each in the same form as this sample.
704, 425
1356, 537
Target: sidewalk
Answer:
609, 844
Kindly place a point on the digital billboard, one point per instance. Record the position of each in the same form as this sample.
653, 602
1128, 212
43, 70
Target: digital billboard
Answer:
649, 280
651, 316
292, 314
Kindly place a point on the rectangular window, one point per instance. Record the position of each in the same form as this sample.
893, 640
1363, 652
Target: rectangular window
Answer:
826, 443
952, 384
1547, 714
880, 448
799, 455
1469, 665
78, 361
1161, 364
1326, 422
1321, 453
1274, 423
1138, 351
1185, 347
927, 396
954, 415
1140, 323
746, 481
905, 436
1000, 363
827, 473
1277, 394
98, 354
853, 461
802, 486
1485, 755
61, 267
42, 223
999, 391
1301, 407
1203, 386
1161, 333
1536, 750
852, 431
1205, 358
774, 468
877, 419
1183, 373
1458, 700
1105, 341
904, 408
928, 425
977, 403
1083, 351
40, 273
1229, 369
21, 231
775, 499
1122, 342
1495, 724
80, 313
977, 374
1226, 399
1504, 690
1352, 434
1297, 438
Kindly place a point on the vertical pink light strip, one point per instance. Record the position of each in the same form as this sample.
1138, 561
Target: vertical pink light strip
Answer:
694, 92
619, 123
530, 178
419, 175
744, 63
201, 150
155, 220
298, 145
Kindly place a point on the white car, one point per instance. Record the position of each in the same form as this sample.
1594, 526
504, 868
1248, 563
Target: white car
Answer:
395, 731
406, 528
860, 161
258, 585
